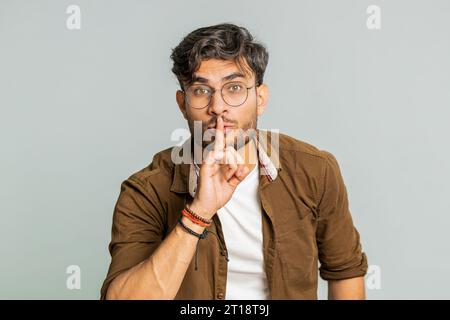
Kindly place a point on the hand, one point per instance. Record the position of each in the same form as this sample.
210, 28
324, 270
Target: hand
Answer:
220, 174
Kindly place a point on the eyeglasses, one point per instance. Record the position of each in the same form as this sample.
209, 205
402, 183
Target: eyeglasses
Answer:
233, 93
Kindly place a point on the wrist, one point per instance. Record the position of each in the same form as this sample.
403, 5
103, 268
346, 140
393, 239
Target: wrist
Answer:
199, 210
191, 225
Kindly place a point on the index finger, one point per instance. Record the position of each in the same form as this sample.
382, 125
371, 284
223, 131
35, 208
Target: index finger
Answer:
219, 143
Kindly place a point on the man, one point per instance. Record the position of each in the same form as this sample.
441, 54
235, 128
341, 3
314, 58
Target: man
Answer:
227, 226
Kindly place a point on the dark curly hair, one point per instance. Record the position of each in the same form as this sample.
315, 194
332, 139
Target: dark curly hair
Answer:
222, 41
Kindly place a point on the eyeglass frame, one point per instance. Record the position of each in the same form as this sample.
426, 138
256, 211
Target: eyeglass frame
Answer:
213, 91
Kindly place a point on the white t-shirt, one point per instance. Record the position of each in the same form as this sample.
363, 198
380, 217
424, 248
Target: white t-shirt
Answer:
241, 221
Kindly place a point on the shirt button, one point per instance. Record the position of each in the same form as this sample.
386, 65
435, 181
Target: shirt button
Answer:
220, 296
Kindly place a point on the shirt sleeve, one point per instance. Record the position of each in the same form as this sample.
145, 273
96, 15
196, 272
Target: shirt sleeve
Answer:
338, 241
137, 228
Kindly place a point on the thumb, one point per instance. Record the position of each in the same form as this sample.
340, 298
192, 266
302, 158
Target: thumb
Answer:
238, 176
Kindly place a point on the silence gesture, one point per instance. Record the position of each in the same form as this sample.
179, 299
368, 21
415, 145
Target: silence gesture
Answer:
220, 174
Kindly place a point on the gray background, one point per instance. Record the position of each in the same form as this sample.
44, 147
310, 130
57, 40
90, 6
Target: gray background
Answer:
82, 110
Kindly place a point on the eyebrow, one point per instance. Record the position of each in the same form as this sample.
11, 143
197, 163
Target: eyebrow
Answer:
229, 77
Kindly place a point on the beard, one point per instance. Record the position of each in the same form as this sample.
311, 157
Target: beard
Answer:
237, 137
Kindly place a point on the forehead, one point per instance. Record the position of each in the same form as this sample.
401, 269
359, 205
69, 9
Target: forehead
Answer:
215, 70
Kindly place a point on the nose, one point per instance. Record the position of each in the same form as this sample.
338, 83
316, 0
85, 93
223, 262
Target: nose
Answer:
217, 105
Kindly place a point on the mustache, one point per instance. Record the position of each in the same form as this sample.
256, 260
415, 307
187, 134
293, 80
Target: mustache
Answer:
214, 122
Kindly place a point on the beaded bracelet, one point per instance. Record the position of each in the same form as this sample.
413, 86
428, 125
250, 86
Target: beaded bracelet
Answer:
185, 213
189, 230
207, 221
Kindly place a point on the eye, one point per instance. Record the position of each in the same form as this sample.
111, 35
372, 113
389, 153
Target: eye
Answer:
235, 88
200, 91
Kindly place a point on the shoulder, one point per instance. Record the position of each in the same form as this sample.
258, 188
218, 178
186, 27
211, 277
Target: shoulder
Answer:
314, 169
158, 172
303, 155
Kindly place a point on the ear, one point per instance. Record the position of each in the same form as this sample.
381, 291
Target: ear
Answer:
180, 101
262, 97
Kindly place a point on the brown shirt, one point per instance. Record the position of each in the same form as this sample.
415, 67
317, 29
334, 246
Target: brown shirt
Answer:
305, 220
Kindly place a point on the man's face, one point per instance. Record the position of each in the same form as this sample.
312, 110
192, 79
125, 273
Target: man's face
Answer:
214, 74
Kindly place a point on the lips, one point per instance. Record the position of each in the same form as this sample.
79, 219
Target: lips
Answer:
224, 125
227, 129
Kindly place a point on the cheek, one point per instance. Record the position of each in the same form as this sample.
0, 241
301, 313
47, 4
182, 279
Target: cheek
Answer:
247, 119
196, 116
244, 113
193, 115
